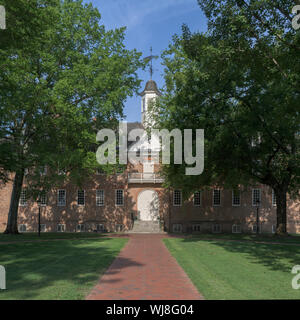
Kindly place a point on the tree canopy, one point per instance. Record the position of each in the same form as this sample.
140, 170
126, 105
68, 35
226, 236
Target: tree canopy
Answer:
240, 81
63, 76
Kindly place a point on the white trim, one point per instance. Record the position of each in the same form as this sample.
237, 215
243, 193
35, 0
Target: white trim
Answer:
274, 200
80, 229
97, 198
273, 228
219, 228
197, 205
81, 205
259, 228
213, 198
237, 227
20, 227
21, 202
61, 224
177, 205
116, 191
255, 189
233, 204
65, 198
177, 227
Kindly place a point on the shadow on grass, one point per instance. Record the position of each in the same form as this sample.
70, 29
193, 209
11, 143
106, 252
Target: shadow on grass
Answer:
277, 257
65, 269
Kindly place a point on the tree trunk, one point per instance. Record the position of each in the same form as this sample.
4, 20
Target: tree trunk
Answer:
12, 221
281, 211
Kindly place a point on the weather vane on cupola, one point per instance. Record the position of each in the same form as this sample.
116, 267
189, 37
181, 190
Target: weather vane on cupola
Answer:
150, 59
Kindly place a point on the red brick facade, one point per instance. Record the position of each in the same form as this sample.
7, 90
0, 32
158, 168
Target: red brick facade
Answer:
186, 217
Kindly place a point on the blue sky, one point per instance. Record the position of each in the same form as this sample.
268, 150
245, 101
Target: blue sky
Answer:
149, 23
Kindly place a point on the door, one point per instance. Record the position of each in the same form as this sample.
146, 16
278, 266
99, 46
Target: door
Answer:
148, 205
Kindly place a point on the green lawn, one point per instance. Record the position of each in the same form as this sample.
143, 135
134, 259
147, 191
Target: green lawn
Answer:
29, 236
66, 269
237, 270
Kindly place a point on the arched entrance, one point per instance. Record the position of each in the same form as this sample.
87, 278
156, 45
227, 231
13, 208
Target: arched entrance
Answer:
148, 205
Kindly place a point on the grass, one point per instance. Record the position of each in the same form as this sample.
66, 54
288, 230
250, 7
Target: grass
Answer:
237, 269
56, 270
30, 236
291, 238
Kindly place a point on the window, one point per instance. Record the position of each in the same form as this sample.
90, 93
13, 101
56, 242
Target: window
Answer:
177, 227
236, 228
43, 171
216, 228
256, 197
100, 228
43, 199
236, 198
23, 198
217, 197
177, 198
80, 197
100, 171
197, 198
119, 227
99, 198
254, 229
196, 227
61, 198
61, 228
22, 227
274, 228
120, 197
274, 200
62, 172
43, 228
80, 228
144, 105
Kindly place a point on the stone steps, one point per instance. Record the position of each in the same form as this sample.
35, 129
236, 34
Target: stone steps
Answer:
146, 227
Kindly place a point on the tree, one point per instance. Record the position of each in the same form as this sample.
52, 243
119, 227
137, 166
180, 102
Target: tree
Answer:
57, 89
240, 82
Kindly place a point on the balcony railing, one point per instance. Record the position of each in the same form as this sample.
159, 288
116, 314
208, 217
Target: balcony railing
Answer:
144, 178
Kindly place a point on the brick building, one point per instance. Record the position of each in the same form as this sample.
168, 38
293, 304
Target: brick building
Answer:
135, 199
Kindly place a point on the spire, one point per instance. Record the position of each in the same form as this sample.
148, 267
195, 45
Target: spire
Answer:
150, 59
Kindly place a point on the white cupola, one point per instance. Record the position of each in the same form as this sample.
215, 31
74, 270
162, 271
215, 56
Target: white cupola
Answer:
149, 94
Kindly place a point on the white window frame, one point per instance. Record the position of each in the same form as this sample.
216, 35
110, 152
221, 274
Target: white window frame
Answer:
62, 225
43, 170
119, 227
253, 192
99, 172
254, 227
196, 226
174, 197
116, 197
219, 227
200, 199
80, 227
20, 227
81, 204
98, 197
177, 228
59, 204
236, 228
274, 200
43, 227
100, 229
233, 197
43, 199
213, 199
23, 198
273, 228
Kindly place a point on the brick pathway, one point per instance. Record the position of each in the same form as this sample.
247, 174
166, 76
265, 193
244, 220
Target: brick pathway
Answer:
144, 270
